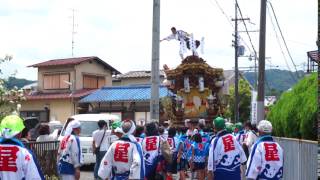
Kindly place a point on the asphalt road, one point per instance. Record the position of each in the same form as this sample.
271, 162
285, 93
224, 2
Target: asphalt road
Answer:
86, 173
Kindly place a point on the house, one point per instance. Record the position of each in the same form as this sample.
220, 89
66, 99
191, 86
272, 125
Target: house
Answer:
135, 77
313, 61
128, 102
61, 83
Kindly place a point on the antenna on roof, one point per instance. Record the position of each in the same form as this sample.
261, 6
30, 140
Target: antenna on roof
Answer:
73, 32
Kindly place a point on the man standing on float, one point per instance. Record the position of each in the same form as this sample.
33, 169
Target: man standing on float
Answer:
186, 40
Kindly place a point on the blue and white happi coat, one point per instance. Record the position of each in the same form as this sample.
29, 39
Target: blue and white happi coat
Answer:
241, 136
123, 160
70, 155
200, 152
266, 160
225, 157
17, 162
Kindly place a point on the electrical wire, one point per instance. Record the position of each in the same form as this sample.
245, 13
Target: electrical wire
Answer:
284, 41
228, 19
281, 49
222, 11
245, 25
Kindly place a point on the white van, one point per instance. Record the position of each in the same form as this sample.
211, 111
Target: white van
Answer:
89, 123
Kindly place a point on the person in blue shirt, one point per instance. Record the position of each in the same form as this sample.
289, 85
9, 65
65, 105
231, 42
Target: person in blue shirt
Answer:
198, 156
182, 154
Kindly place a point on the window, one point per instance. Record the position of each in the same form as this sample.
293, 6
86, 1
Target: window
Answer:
93, 82
87, 128
56, 81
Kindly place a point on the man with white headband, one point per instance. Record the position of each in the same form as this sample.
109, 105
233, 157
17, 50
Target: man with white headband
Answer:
124, 159
266, 158
69, 153
16, 161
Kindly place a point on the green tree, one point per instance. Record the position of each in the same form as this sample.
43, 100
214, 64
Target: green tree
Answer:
295, 113
12, 81
244, 102
9, 99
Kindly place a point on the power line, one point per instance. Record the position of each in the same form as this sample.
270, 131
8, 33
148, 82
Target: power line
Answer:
284, 41
228, 19
281, 50
222, 11
245, 25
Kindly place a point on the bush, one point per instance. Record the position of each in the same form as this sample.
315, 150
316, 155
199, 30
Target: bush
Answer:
295, 114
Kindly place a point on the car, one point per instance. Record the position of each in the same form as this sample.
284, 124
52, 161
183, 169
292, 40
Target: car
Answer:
33, 125
55, 129
89, 123
55, 125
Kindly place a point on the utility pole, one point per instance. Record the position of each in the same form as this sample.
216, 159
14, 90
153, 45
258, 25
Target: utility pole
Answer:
154, 103
262, 48
255, 72
236, 70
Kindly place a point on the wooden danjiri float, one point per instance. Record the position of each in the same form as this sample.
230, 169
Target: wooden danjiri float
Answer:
198, 90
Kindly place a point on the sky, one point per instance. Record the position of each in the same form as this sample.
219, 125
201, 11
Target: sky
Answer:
120, 32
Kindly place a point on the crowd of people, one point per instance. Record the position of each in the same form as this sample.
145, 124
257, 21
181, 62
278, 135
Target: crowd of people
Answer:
227, 151
127, 151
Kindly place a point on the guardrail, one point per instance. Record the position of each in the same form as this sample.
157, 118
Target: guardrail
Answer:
46, 154
300, 158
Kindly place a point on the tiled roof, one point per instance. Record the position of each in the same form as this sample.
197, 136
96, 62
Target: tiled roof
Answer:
314, 55
124, 93
73, 61
138, 74
76, 94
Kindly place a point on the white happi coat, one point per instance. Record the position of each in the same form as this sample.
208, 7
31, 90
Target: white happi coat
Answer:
69, 154
180, 36
225, 155
174, 143
150, 147
265, 160
124, 158
241, 136
17, 162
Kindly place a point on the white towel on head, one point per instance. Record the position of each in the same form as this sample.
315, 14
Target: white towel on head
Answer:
132, 129
130, 132
73, 124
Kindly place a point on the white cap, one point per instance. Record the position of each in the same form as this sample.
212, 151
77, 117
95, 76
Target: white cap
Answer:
265, 126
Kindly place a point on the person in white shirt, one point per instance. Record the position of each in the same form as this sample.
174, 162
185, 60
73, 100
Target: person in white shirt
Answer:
70, 156
190, 127
16, 161
44, 134
250, 138
185, 39
266, 159
124, 159
100, 144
